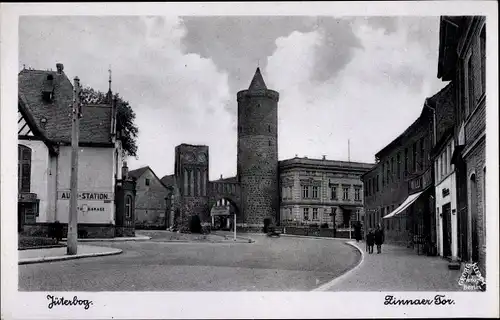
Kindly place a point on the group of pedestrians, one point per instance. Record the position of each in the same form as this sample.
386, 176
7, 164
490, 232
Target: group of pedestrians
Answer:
375, 237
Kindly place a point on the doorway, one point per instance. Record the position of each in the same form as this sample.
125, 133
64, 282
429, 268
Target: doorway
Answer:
446, 211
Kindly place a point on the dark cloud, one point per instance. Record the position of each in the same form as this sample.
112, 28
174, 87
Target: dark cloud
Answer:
336, 49
238, 44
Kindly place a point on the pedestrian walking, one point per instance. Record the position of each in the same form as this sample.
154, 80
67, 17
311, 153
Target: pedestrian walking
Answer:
379, 238
357, 231
370, 241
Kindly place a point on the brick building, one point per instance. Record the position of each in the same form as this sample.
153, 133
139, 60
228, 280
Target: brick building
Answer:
318, 191
399, 190
152, 199
45, 101
462, 60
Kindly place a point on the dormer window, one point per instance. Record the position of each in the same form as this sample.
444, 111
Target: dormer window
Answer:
48, 89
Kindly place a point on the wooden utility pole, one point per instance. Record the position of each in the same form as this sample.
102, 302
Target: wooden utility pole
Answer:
73, 200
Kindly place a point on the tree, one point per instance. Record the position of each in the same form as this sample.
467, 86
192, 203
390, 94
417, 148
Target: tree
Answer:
125, 118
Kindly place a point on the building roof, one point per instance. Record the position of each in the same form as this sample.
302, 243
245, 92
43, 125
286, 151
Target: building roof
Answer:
168, 180
325, 164
450, 28
399, 140
226, 180
137, 173
95, 124
257, 81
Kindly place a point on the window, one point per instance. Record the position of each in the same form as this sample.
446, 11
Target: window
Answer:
388, 172
24, 168
357, 195
305, 192
445, 161
148, 181
128, 207
333, 193
269, 142
441, 160
392, 169
422, 151
470, 86
406, 161
315, 192
398, 162
346, 193
306, 214
269, 128
482, 46
315, 214
377, 183
383, 176
414, 157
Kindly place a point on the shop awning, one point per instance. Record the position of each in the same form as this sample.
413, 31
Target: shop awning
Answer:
411, 198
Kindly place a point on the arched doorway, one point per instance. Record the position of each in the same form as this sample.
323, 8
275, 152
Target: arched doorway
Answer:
222, 214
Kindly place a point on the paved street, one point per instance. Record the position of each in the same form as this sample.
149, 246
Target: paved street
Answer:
269, 264
399, 269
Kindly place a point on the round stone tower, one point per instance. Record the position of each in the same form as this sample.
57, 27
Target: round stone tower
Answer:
258, 152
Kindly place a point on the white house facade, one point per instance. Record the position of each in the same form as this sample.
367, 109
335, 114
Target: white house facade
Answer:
446, 202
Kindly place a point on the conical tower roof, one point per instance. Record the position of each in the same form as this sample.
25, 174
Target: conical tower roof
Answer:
257, 82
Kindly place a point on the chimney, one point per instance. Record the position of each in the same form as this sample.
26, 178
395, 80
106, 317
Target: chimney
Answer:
324, 157
60, 68
124, 171
221, 176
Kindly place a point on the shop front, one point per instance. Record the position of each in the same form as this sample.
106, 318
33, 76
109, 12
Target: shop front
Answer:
418, 208
27, 209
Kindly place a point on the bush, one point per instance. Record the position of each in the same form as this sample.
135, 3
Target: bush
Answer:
324, 225
195, 224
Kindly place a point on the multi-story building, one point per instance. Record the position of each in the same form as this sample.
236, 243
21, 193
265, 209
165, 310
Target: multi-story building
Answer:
44, 168
318, 191
387, 185
399, 189
462, 60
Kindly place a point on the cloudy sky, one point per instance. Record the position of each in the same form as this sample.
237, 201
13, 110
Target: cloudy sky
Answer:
362, 79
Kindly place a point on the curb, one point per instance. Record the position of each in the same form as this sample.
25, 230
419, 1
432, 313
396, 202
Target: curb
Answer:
141, 238
62, 258
314, 237
204, 242
333, 282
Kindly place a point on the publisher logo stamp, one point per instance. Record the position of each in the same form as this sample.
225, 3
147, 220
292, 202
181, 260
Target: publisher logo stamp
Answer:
471, 279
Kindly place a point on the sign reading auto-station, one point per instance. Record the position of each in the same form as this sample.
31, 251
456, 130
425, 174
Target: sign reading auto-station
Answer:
89, 196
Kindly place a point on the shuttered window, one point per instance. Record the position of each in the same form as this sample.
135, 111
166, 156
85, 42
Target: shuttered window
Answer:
24, 168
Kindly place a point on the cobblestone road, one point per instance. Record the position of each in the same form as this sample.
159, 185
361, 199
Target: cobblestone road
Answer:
269, 264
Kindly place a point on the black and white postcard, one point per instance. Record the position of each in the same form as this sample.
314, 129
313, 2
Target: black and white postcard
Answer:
249, 160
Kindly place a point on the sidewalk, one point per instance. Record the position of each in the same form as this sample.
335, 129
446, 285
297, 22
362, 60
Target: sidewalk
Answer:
396, 269
59, 254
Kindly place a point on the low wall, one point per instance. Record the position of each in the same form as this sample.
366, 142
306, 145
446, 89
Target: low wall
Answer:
318, 232
85, 230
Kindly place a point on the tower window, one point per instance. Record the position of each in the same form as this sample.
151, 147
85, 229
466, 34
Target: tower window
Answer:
269, 142
269, 128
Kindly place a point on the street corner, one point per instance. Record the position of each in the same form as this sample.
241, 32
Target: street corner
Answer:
60, 254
